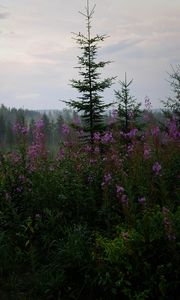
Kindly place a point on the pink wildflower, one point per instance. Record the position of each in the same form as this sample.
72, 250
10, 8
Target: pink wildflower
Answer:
37, 149
119, 189
132, 133
97, 136
65, 129
173, 129
155, 131
130, 149
147, 151
38, 132
19, 189
88, 149
61, 154
156, 168
20, 129
107, 138
106, 180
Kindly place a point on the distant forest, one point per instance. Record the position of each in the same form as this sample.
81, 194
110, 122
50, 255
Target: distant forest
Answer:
53, 121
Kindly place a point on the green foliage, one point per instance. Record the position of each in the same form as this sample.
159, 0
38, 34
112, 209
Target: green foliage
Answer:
172, 104
90, 87
128, 109
92, 224
94, 221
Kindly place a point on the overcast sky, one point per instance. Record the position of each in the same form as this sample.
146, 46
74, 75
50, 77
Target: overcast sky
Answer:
38, 54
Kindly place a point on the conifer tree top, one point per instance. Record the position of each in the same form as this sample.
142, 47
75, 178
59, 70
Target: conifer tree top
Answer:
90, 85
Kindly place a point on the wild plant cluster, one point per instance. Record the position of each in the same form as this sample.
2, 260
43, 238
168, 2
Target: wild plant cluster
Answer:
97, 221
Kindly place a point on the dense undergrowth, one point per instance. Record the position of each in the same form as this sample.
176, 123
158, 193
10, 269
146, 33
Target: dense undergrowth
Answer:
94, 222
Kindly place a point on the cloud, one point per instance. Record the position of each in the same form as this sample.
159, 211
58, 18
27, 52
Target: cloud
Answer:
122, 45
30, 96
4, 15
38, 55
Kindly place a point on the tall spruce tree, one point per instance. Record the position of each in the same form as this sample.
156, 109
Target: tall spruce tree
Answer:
128, 109
90, 85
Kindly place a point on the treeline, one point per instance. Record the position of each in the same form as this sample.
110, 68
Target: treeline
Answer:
54, 124
53, 121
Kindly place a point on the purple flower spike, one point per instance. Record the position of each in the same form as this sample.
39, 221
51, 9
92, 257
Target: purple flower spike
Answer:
119, 189
156, 168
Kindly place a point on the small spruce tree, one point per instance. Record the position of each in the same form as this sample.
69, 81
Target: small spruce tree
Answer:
90, 103
172, 104
128, 109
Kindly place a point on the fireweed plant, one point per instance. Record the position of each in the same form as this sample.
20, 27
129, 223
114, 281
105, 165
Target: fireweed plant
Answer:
92, 224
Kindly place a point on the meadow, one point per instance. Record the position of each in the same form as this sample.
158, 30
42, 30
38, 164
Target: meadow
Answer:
95, 221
